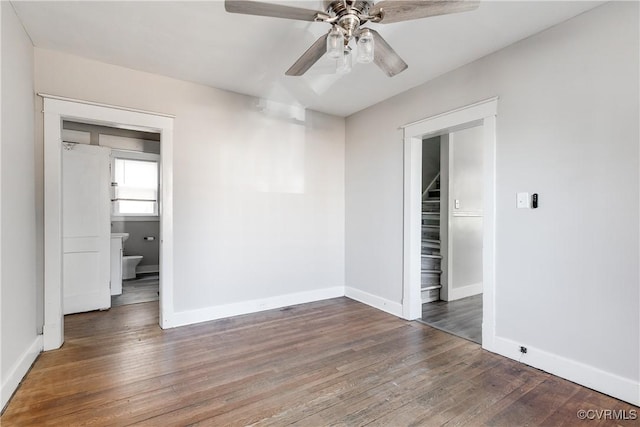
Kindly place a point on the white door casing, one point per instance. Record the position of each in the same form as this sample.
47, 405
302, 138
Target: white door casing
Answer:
483, 114
85, 228
56, 109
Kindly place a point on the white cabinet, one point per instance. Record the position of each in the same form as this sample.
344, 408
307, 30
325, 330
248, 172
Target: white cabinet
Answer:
117, 240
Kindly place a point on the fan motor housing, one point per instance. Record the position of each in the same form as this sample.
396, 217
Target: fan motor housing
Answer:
341, 7
350, 14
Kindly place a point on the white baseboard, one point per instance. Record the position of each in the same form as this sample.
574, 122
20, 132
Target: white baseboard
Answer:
465, 291
19, 370
141, 269
374, 301
182, 318
53, 335
577, 372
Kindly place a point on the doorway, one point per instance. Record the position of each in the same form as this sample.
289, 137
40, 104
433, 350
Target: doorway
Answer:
57, 110
132, 158
452, 233
481, 115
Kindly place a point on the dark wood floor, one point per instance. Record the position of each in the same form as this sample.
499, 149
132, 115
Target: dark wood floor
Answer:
334, 362
141, 289
462, 317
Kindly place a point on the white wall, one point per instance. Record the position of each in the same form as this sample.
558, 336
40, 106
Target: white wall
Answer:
258, 198
20, 341
567, 282
430, 160
466, 177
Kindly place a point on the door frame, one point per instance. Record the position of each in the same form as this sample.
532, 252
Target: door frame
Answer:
56, 109
483, 114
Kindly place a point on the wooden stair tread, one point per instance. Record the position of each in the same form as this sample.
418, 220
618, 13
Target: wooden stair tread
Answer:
429, 288
432, 256
431, 271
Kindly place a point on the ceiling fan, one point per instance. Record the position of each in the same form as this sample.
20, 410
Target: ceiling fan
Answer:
346, 18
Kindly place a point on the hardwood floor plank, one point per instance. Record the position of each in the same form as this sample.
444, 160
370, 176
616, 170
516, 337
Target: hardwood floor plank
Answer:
136, 291
461, 317
439, 404
537, 404
390, 395
353, 386
334, 362
587, 400
278, 386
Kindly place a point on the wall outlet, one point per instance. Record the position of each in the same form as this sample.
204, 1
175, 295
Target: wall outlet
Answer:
523, 349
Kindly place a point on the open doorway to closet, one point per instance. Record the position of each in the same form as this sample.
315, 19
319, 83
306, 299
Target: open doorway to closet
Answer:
452, 232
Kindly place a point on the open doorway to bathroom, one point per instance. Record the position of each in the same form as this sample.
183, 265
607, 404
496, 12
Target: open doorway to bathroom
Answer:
134, 214
56, 110
452, 232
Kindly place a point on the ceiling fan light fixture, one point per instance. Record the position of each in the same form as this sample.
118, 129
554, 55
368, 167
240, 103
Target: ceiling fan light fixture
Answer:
335, 43
346, 18
344, 64
366, 47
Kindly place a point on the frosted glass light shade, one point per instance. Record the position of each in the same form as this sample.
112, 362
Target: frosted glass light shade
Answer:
335, 43
365, 47
344, 64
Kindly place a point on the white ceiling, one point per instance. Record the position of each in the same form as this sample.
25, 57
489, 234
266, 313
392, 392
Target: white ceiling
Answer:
201, 42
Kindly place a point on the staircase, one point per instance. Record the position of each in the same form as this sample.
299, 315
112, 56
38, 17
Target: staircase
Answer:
431, 258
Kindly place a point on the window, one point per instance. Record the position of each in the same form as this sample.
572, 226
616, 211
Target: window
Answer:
135, 187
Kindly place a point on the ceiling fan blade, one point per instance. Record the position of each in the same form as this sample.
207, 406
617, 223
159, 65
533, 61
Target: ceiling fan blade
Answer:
385, 57
405, 10
310, 57
269, 9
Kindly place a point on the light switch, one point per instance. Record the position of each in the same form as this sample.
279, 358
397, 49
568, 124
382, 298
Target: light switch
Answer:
457, 204
522, 200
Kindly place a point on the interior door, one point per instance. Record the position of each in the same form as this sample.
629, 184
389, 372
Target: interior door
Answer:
86, 228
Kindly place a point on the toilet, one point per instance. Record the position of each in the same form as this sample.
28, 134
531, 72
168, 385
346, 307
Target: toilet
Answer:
129, 264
